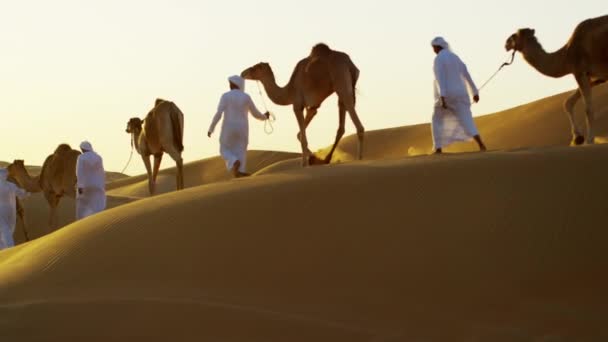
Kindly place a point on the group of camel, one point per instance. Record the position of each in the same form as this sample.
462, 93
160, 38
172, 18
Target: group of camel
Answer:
316, 77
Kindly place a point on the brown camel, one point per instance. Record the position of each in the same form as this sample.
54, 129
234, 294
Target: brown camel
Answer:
161, 131
57, 178
585, 56
314, 79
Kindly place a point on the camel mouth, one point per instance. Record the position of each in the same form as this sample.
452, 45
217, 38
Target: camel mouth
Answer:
510, 45
246, 74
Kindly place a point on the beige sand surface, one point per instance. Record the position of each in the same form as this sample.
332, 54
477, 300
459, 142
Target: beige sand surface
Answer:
508, 245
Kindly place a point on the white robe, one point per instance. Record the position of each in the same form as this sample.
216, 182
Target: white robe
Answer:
91, 179
8, 212
454, 83
234, 138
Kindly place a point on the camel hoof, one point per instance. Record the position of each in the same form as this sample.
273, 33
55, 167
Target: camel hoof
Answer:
579, 140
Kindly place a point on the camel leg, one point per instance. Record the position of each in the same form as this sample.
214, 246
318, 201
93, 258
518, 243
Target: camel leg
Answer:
339, 134
179, 163
348, 99
53, 200
299, 111
577, 137
180, 173
151, 184
21, 218
310, 114
157, 160
584, 84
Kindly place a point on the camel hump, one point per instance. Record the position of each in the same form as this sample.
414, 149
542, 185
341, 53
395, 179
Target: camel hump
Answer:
320, 50
63, 148
159, 101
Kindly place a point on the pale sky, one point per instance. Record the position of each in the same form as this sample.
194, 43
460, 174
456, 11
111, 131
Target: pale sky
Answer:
79, 69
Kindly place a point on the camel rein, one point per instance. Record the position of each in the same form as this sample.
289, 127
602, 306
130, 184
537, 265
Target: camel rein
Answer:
130, 156
268, 127
499, 69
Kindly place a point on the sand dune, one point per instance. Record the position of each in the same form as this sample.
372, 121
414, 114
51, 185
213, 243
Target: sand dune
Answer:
123, 189
37, 215
538, 124
198, 173
500, 246
486, 246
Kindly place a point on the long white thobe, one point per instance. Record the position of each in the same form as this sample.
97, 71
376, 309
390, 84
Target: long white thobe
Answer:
8, 212
454, 83
92, 180
234, 138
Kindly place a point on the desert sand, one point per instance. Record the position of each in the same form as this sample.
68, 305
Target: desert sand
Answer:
507, 245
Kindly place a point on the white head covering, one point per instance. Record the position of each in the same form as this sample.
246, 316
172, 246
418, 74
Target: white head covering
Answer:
439, 41
86, 146
3, 174
237, 81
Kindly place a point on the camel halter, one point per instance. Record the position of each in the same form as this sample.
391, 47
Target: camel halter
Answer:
130, 155
497, 71
268, 127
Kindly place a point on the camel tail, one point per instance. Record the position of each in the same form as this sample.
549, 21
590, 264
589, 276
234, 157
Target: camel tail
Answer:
354, 75
177, 121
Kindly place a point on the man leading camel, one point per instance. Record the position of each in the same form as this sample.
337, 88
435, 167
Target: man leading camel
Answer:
91, 194
8, 209
452, 117
235, 105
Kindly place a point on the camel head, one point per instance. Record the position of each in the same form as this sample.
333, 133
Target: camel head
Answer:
257, 72
134, 125
17, 167
520, 39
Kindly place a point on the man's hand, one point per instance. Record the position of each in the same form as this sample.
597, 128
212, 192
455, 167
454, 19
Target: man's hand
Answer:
80, 191
476, 98
209, 134
443, 103
267, 115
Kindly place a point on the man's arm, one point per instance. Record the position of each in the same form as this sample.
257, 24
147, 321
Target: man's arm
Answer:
221, 107
469, 80
440, 77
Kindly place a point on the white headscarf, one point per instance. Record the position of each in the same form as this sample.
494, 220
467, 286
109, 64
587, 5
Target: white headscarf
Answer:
3, 174
237, 81
439, 41
86, 146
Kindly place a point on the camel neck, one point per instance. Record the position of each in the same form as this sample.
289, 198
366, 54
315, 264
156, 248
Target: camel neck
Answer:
135, 140
279, 95
27, 182
550, 64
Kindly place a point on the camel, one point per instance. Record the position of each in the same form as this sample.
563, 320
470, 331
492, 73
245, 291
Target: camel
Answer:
585, 56
57, 178
315, 78
161, 131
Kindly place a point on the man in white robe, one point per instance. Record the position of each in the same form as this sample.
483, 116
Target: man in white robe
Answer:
452, 117
8, 209
234, 138
91, 182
